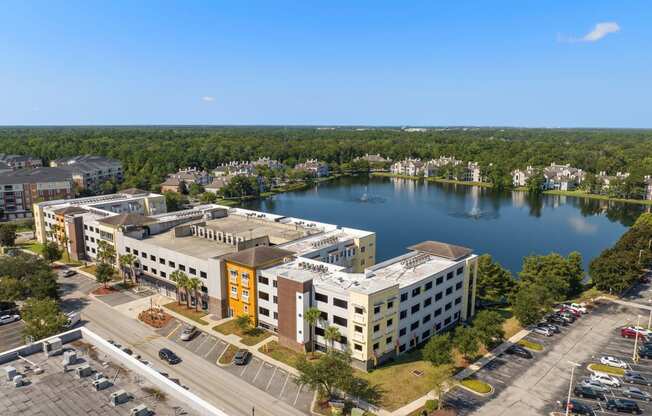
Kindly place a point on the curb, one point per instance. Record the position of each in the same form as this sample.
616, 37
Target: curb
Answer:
491, 391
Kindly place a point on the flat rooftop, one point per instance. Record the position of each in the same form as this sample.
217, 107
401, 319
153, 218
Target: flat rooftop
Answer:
198, 247
59, 393
252, 227
316, 242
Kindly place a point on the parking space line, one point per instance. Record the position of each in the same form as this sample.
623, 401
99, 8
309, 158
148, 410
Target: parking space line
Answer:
257, 373
210, 351
284, 385
271, 378
173, 331
247, 366
202, 343
297, 398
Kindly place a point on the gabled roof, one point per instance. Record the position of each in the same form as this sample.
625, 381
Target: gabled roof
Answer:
439, 249
258, 256
122, 220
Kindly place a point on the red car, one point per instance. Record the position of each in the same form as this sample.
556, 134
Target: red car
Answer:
629, 332
575, 313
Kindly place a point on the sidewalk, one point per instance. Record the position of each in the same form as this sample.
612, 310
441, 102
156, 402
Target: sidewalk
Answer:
467, 372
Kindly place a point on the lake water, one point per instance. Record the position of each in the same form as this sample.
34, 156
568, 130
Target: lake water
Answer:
507, 225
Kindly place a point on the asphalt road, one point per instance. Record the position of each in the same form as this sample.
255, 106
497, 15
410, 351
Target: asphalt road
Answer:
214, 384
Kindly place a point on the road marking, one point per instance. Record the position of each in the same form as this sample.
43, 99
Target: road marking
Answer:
173, 331
297, 398
259, 370
220, 356
284, 384
210, 351
271, 378
244, 369
201, 343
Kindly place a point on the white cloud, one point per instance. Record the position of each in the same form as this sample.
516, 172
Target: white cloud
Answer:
207, 99
582, 226
600, 30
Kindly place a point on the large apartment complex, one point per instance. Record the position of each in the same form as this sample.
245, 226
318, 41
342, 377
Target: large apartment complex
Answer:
22, 187
89, 172
274, 268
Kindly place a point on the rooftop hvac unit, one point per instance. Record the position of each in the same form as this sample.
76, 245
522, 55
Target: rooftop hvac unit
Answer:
52, 346
83, 371
98, 376
19, 381
11, 372
102, 383
140, 410
69, 357
119, 397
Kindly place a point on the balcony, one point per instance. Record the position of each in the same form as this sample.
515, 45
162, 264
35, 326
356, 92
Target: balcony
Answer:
359, 318
377, 335
359, 336
378, 317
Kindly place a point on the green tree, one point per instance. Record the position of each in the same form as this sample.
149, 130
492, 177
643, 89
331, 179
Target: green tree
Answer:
331, 372
127, 262
535, 183
51, 252
174, 201
495, 283
7, 235
440, 377
466, 341
243, 322
531, 302
105, 252
42, 318
560, 275
179, 278
25, 276
438, 350
193, 285
489, 327
312, 316
103, 273
195, 189
614, 271
332, 334
208, 198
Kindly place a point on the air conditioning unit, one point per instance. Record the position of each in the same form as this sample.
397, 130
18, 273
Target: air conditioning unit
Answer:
11, 372
119, 397
83, 371
69, 357
102, 383
140, 410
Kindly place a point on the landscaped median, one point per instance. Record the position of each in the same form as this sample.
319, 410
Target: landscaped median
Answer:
601, 368
534, 346
248, 336
280, 353
187, 313
227, 356
476, 386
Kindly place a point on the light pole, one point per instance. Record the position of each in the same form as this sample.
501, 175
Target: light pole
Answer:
649, 320
570, 386
638, 324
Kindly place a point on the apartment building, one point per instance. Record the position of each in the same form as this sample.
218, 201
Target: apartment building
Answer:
89, 172
314, 167
14, 162
408, 167
235, 168
269, 163
184, 178
22, 187
556, 176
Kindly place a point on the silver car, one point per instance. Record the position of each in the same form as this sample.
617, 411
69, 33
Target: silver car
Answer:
189, 332
542, 331
636, 393
595, 385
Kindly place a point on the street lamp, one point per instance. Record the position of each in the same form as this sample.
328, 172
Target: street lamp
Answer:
570, 385
638, 325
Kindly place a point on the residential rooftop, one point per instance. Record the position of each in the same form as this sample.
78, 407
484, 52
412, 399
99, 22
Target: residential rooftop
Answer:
315, 242
190, 245
34, 175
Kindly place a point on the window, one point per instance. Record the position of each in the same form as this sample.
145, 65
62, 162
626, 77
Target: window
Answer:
390, 304
416, 291
275, 315
458, 300
375, 346
202, 275
401, 348
404, 297
438, 327
388, 340
448, 306
135, 252
160, 260
357, 328
426, 334
427, 302
449, 290
426, 318
323, 315
127, 249
359, 310
152, 257
263, 280
153, 270
86, 237
172, 264
145, 268
460, 271
357, 347
194, 272
245, 294
163, 274
402, 315
343, 340
389, 322
376, 328
275, 283
182, 267
438, 312
263, 311
449, 276
362, 249
415, 308
428, 286
339, 320
319, 331
245, 308
447, 321
440, 280
458, 286
340, 303
414, 325
402, 332
438, 296
275, 299
321, 298
263, 295
376, 309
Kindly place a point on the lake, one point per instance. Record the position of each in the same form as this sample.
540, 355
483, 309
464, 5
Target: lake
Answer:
507, 225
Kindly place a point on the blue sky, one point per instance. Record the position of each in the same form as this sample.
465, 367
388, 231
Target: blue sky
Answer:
518, 63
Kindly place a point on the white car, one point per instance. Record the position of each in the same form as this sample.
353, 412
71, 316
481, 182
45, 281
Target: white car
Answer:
542, 331
7, 319
613, 362
605, 379
579, 307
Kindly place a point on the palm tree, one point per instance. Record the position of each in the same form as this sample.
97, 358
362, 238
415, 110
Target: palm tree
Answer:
126, 261
312, 316
194, 284
59, 234
105, 252
178, 277
332, 334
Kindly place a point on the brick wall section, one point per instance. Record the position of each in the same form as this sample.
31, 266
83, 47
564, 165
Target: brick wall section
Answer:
287, 313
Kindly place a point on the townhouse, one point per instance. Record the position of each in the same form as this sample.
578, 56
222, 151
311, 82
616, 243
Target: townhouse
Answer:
446, 167
175, 182
556, 176
89, 172
314, 167
408, 167
14, 162
22, 187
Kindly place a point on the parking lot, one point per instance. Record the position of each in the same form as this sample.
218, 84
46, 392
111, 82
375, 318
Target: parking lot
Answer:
261, 374
535, 386
11, 335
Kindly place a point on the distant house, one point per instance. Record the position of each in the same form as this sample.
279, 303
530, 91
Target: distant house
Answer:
184, 178
314, 167
372, 159
14, 162
218, 183
408, 167
89, 172
270, 163
520, 176
607, 180
562, 177
235, 168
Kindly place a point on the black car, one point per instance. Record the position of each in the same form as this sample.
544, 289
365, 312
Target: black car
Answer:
241, 357
645, 352
589, 393
557, 320
167, 355
632, 377
554, 328
578, 408
519, 351
624, 406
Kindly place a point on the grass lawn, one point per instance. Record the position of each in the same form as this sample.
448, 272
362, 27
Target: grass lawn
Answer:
606, 369
252, 336
280, 353
228, 355
535, 346
91, 268
396, 381
37, 248
583, 194
477, 386
188, 313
